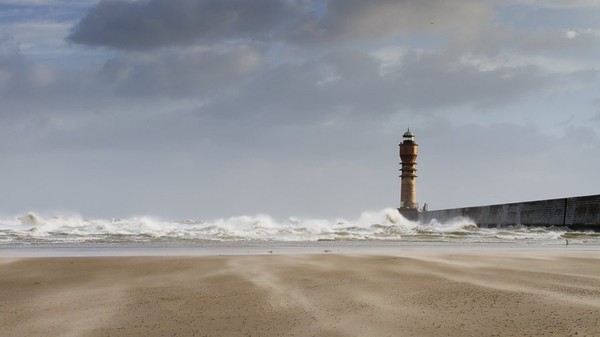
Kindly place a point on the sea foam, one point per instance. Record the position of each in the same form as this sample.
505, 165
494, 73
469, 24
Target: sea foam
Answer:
386, 224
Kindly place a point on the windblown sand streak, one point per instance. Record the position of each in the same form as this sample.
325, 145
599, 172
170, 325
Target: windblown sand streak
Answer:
408, 294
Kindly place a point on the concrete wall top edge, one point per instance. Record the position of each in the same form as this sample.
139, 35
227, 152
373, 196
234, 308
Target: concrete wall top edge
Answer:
594, 196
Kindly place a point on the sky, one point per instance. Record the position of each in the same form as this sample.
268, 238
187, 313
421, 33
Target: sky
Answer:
215, 108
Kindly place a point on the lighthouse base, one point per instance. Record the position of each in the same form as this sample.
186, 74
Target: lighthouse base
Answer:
411, 214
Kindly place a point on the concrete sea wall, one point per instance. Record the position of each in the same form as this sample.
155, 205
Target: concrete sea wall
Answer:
575, 212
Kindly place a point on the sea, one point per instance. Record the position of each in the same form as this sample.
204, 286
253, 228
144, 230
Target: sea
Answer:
384, 228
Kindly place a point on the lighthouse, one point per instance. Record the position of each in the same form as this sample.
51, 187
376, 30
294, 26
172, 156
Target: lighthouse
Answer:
409, 150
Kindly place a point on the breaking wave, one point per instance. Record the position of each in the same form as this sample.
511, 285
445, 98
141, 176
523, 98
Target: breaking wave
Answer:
386, 224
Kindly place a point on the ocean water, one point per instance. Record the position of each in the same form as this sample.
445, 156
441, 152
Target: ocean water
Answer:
31, 230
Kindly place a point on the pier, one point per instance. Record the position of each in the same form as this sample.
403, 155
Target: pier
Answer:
577, 213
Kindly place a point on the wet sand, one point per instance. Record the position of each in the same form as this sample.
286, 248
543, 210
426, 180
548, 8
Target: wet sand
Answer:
411, 293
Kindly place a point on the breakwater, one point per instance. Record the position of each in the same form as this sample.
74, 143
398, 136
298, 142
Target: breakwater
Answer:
578, 213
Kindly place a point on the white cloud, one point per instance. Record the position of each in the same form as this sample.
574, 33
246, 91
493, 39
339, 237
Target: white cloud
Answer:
142, 25
514, 60
571, 34
183, 72
582, 32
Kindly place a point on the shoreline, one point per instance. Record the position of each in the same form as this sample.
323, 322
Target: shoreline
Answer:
279, 248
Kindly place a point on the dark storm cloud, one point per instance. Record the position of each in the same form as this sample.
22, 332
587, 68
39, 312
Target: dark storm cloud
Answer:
315, 90
135, 25
154, 23
350, 85
196, 72
238, 82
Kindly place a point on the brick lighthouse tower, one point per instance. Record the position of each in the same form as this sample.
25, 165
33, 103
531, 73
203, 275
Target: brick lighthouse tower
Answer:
409, 208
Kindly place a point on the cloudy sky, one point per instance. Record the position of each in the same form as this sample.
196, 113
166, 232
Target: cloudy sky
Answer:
214, 108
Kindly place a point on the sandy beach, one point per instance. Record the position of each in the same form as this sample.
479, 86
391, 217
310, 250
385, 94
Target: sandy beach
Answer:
551, 292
